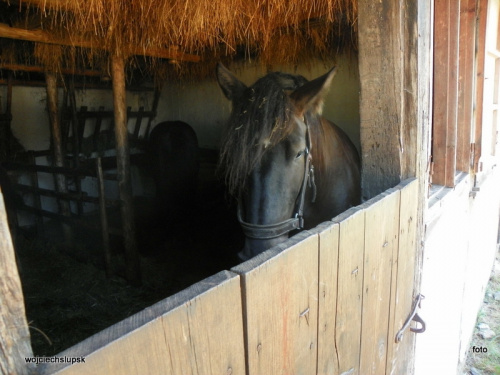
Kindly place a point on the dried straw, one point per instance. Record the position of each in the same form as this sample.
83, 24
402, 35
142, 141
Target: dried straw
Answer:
273, 31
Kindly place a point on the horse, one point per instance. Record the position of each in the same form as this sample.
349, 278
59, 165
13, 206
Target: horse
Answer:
173, 157
288, 167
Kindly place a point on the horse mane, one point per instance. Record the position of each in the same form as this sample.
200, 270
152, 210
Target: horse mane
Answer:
259, 120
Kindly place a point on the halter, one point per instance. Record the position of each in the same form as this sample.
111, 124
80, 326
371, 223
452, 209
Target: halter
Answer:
270, 231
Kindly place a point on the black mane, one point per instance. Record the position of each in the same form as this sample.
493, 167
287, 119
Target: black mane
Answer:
259, 120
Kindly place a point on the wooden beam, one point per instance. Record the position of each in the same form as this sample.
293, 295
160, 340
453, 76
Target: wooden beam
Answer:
133, 272
55, 130
42, 36
381, 69
41, 69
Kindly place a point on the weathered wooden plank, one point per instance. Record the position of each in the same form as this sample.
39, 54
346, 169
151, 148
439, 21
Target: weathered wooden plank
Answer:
411, 132
381, 244
280, 289
327, 302
400, 355
15, 343
424, 113
446, 33
197, 331
349, 290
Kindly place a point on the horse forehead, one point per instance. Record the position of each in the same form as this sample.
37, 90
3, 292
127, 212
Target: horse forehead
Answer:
298, 132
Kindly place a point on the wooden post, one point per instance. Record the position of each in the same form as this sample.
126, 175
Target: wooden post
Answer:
15, 344
76, 140
104, 219
395, 55
394, 123
64, 209
6, 132
381, 70
123, 165
37, 202
153, 109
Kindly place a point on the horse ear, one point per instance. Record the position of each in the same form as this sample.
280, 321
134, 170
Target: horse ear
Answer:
231, 86
310, 96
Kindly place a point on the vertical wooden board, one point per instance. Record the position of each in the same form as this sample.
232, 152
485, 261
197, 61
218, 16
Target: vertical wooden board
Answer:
201, 334
400, 355
281, 302
381, 243
466, 82
327, 302
481, 21
349, 290
452, 97
440, 90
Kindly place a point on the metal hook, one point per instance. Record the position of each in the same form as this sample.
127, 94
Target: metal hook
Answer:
413, 317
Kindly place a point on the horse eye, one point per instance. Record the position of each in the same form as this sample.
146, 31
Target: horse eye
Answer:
299, 154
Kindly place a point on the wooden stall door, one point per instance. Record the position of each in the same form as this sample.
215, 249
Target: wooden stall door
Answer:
366, 285
327, 301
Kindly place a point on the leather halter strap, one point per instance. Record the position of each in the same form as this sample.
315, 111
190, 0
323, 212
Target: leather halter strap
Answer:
269, 231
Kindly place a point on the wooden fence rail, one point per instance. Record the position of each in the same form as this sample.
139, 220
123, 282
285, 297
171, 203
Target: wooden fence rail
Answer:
327, 301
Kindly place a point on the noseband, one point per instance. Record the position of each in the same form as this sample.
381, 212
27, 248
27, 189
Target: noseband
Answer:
270, 231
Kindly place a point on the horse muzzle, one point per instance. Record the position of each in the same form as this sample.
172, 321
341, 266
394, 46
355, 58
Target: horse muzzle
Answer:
269, 231
254, 247
261, 237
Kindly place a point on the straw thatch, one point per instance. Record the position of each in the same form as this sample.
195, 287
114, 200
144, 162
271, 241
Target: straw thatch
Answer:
270, 31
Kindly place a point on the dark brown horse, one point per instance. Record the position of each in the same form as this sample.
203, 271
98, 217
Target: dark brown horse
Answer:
288, 167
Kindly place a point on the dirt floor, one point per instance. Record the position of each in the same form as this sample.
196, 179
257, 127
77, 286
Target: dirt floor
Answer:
68, 296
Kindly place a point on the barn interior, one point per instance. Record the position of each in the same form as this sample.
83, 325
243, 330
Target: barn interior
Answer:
82, 86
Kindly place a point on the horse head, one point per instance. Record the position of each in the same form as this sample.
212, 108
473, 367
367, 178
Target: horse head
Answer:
266, 152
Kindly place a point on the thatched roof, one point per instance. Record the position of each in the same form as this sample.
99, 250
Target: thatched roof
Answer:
271, 31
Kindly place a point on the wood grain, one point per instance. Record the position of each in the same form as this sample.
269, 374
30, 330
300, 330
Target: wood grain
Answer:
400, 355
381, 244
349, 290
281, 307
327, 301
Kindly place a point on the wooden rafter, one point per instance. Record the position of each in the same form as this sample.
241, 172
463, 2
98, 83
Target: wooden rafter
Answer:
41, 69
42, 36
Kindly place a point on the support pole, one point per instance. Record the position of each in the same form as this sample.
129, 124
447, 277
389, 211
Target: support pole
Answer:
6, 123
15, 343
133, 273
104, 219
55, 127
